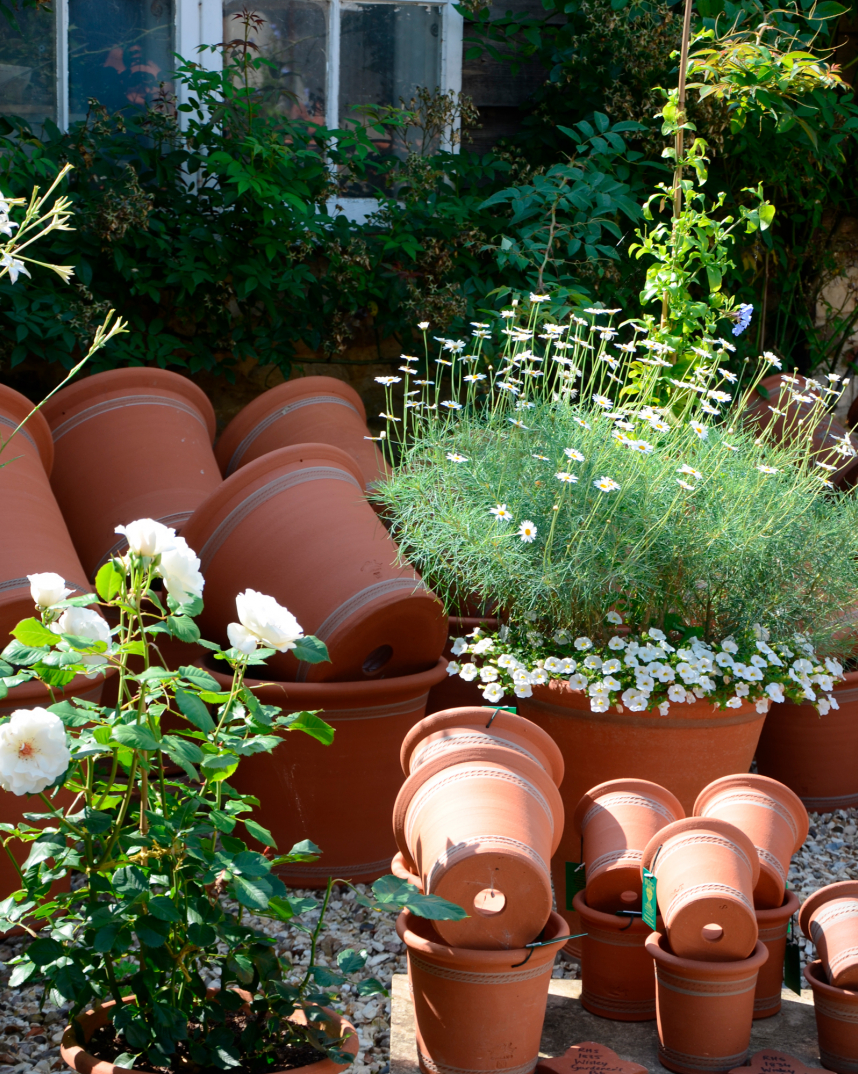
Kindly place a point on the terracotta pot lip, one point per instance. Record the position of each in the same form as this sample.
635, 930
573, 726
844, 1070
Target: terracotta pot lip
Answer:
645, 786
658, 947
485, 960
814, 974
474, 621
18, 406
779, 791
399, 867
844, 889
80, 684
609, 922
784, 912
690, 824
130, 378
479, 716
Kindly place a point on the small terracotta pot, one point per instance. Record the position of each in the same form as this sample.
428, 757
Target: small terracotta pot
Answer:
477, 1011
481, 833
454, 692
772, 925
815, 756
706, 871
705, 1009
399, 868
836, 1011
445, 734
130, 443
77, 1058
317, 410
771, 815
295, 524
616, 820
35, 538
829, 917
340, 796
617, 981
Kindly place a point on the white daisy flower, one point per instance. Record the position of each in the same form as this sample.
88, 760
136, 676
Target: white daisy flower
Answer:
699, 428
454, 456
527, 531
501, 512
566, 478
574, 454
606, 484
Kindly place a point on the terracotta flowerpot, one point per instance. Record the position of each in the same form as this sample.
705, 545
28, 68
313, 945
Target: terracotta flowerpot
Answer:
130, 443
836, 1011
771, 815
77, 1058
34, 535
477, 1010
829, 917
399, 868
307, 410
480, 833
815, 756
340, 796
295, 524
616, 820
598, 747
617, 980
705, 1009
772, 926
454, 692
446, 734
706, 871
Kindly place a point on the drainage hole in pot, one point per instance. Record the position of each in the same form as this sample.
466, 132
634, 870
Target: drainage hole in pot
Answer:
377, 659
712, 933
489, 901
629, 897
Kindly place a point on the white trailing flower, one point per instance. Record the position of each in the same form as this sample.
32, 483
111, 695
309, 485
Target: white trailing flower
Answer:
33, 751
460, 645
452, 667
469, 672
268, 622
47, 589
85, 623
147, 538
180, 569
493, 692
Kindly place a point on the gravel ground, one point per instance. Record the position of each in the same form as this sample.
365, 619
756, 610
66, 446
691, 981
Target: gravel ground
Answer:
30, 1037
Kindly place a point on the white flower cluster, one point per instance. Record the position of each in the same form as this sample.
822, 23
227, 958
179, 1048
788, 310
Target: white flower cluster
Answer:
176, 562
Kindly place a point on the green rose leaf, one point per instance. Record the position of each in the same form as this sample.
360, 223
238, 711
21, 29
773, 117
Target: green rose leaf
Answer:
32, 632
152, 931
108, 581
326, 978
183, 628
21, 973
391, 890
162, 907
351, 961
311, 650
311, 725
95, 821
258, 832
136, 736
43, 950
130, 882
254, 894
371, 987
194, 710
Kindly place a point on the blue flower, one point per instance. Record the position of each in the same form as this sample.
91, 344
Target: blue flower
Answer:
742, 316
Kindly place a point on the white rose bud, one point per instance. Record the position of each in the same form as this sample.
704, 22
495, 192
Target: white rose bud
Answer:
180, 569
148, 538
269, 622
33, 751
47, 589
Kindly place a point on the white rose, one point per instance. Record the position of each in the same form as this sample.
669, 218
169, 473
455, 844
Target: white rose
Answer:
47, 589
85, 623
147, 538
269, 621
240, 638
33, 751
180, 569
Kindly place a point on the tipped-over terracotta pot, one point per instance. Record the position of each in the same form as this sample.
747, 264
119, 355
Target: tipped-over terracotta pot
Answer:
706, 871
340, 796
836, 1011
705, 1009
129, 443
616, 820
772, 926
829, 917
307, 410
477, 1011
481, 833
617, 980
771, 815
815, 756
295, 524
446, 734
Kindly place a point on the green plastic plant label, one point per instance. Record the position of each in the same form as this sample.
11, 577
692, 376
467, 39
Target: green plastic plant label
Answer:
650, 906
792, 962
576, 881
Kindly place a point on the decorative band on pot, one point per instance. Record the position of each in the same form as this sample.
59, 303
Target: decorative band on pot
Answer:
773, 926
836, 1012
829, 917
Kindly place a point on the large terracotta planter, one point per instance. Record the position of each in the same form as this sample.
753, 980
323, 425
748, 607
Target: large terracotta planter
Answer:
454, 692
296, 525
773, 925
705, 1009
617, 980
771, 815
480, 832
308, 410
130, 443
477, 1011
34, 536
616, 820
829, 917
706, 871
448, 733
815, 756
341, 796
836, 1011
682, 751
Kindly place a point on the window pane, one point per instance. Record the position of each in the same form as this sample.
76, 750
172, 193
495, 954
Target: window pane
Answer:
120, 51
28, 66
294, 38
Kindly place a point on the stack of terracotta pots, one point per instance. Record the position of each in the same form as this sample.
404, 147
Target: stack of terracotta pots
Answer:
476, 822
721, 889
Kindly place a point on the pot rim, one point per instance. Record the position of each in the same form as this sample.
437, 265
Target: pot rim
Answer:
844, 889
814, 974
779, 791
690, 824
609, 786
476, 716
37, 426
790, 905
658, 948
399, 868
609, 922
490, 960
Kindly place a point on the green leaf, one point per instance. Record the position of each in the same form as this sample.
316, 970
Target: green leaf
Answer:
43, 950
311, 650
258, 832
393, 890
183, 628
351, 961
326, 978
306, 850
22, 972
162, 907
194, 710
199, 678
108, 581
105, 938
69, 981
70, 714
152, 931
136, 736
130, 882
95, 821
371, 987
181, 750
312, 725
32, 632
254, 893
